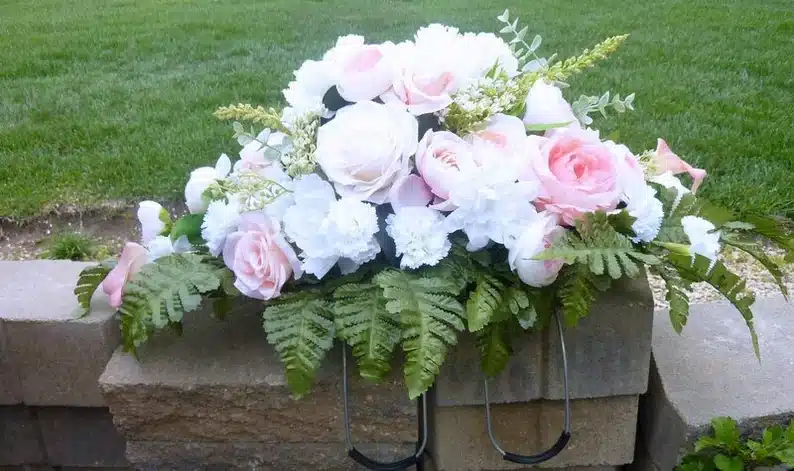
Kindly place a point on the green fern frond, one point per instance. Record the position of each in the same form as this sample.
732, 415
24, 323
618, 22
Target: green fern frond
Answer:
88, 282
162, 292
731, 286
754, 250
493, 342
301, 329
483, 301
576, 293
597, 245
363, 322
430, 317
677, 295
776, 232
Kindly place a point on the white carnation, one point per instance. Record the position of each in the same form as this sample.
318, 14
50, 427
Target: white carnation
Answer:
418, 236
701, 238
642, 204
221, 219
305, 94
668, 180
350, 227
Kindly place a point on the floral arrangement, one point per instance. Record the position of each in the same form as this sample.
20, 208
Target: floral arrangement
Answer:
413, 191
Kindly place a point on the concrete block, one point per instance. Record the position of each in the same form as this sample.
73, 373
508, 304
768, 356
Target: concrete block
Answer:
603, 433
222, 382
608, 355
81, 436
20, 437
10, 389
27, 468
243, 456
57, 355
710, 370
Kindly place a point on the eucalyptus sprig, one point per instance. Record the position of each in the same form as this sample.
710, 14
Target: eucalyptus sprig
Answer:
520, 48
590, 104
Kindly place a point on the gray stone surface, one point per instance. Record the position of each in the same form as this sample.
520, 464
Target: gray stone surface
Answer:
222, 382
608, 355
20, 438
603, 433
710, 370
244, 456
81, 436
10, 390
57, 355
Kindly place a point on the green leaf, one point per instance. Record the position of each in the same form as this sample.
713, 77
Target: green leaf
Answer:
301, 329
520, 35
775, 232
733, 288
88, 282
504, 17
535, 43
546, 126
483, 301
726, 430
600, 247
677, 296
189, 225
725, 463
362, 320
493, 342
430, 317
222, 306
576, 293
162, 292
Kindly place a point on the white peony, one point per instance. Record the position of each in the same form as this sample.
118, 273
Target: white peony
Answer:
418, 236
490, 203
162, 246
367, 71
221, 219
330, 232
366, 148
538, 235
201, 179
484, 51
153, 218
703, 241
546, 105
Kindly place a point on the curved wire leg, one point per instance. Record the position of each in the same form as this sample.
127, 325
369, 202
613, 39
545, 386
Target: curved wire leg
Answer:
367, 462
565, 436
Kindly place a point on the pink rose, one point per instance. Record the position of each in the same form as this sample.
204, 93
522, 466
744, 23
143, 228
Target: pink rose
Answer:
508, 135
577, 173
537, 237
367, 72
132, 258
422, 93
664, 160
439, 159
260, 257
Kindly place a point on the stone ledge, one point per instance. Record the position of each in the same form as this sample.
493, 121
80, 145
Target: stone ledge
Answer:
81, 437
244, 456
603, 433
56, 355
10, 389
608, 355
222, 382
710, 370
20, 437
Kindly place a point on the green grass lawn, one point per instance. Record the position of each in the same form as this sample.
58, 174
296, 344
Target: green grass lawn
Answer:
113, 99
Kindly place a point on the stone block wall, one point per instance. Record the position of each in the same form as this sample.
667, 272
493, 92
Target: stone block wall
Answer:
52, 413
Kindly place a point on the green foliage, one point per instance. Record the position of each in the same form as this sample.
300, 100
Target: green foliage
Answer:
73, 246
300, 327
270, 118
363, 321
590, 104
731, 286
598, 246
575, 293
189, 225
726, 450
677, 295
755, 250
430, 317
484, 301
88, 282
493, 342
162, 292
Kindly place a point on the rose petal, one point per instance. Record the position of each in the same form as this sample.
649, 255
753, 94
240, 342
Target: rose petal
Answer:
409, 191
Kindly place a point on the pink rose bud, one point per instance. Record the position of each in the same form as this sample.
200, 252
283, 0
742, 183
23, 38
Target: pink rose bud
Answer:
132, 258
666, 161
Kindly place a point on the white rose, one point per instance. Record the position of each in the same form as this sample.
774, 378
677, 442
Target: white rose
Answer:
366, 148
545, 105
701, 238
201, 179
537, 237
153, 218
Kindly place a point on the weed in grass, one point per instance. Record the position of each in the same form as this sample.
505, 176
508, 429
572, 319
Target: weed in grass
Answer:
74, 246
